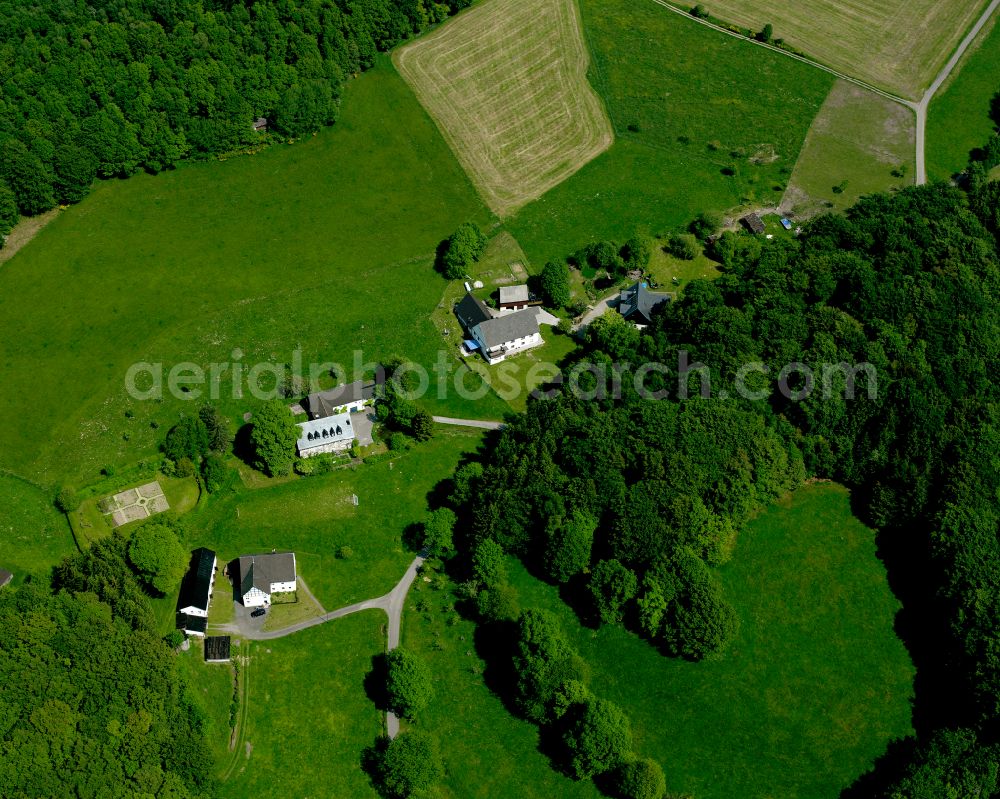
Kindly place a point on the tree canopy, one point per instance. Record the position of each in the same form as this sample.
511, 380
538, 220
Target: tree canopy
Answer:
273, 437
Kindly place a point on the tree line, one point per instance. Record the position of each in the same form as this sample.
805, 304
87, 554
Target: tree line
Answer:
631, 503
93, 703
111, 88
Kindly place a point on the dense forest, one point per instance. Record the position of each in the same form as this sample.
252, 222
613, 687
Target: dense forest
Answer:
631, 503
111, 87
93, 704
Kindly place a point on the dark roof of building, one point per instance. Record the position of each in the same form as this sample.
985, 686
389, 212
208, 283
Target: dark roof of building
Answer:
753, 223
217, 648
471, 311
197, 581
193, 624
325, 403
638, 301
5, 577
497, 332
259, 571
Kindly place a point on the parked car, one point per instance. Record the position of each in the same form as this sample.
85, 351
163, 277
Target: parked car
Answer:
258, 612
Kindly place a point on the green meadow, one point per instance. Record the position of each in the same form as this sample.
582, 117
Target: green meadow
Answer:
315, 517
809, 695
958, 119
324, 247
702, 122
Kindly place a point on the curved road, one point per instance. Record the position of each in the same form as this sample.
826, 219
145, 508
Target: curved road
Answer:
919, 108
391, 603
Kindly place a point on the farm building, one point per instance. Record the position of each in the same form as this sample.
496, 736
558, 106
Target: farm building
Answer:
260, 576
753, 223
343, 398
637, 303
217, 649
260, 124
329, 434
471, 311
507, 335
196, 587
513, 298
5, 577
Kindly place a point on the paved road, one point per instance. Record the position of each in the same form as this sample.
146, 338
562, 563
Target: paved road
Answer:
468, 422
925, 101
596, 311
392, 603
919, 108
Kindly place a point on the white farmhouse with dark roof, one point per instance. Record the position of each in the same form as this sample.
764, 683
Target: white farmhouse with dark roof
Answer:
341, 399
264, 575
329, 434
196, 592
507, 335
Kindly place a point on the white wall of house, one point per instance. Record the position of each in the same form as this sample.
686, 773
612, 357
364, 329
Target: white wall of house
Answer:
255, 598
508, 348
195, 633
283, 588
330, 446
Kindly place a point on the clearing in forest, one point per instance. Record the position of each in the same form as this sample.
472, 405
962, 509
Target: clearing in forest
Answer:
859, 143
899, 45
506, 82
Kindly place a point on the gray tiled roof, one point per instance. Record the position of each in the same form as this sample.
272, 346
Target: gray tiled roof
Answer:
325, 403
471, 311
638, 300
327, 430
497, 332
259, 571
513, 294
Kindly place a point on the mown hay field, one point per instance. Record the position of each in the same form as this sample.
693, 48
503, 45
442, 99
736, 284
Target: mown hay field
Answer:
899, 45
506, 83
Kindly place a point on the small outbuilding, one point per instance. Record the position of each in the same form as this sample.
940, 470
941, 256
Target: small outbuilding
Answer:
217, 649
260, 124
786, 223
513, 298
5, 577
753, 223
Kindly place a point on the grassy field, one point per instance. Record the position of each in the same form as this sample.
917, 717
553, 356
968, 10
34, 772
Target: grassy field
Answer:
693, 133
860, 143
811, 692
958, 119
34, 536
315, 516
665, 268
325, 246
506, 84
308, 718
899, 45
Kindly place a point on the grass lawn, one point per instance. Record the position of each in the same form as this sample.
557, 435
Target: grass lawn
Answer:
856, 143
506, 83
34, 535
308, 718
665, 267
314, 517
811, 692
287, 610
899, 45
326, 246
958, 119
684, 112
212, 687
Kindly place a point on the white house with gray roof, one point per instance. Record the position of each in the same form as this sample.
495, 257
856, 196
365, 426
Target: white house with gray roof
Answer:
507, 335
264, 575
329, 434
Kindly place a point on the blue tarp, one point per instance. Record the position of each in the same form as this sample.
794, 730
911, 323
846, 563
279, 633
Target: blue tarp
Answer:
471, 345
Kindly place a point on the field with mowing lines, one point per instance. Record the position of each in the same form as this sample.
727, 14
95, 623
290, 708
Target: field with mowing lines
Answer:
898, 45
859, 143
958, 120
506, 83
702, 122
